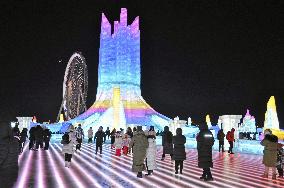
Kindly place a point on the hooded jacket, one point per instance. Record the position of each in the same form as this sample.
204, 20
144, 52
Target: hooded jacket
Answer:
270, 143
167, 141
205, 141
179, 149
140, 144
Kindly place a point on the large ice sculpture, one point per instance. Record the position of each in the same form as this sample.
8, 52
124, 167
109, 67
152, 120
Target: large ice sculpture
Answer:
271, 119
248, 124
118, 101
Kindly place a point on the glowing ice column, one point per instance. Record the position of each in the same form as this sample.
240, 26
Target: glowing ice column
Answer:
271, 119
116, 107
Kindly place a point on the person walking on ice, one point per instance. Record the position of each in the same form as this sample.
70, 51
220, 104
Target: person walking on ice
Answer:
68, 141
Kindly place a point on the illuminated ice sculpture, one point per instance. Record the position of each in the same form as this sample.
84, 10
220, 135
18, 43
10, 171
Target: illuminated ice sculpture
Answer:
271, 119
118, 101
248, 124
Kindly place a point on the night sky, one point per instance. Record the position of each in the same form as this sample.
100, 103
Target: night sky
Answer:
197, 57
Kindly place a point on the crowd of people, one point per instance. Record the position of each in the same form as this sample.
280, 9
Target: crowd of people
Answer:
141, 144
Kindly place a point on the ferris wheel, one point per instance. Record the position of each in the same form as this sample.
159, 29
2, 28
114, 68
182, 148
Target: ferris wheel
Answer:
75, 87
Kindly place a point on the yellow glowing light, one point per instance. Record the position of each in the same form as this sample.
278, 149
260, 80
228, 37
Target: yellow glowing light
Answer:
115, 103
208, 119
61, 119
271, 103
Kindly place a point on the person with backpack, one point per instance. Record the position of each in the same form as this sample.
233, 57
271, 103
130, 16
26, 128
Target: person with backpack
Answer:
231, 139
68, 140
205, 142
99, 138
90, 135
46, 138
9, 154
179, 154
79, 136
167, 142
220, 137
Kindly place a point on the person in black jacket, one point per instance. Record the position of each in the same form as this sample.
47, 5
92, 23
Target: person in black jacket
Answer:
46, 138
220, 137
9, 153
23, 138
179, 154
205, 141
112, 137
39, 137
167, 142
99, 138
32, 138
107, 132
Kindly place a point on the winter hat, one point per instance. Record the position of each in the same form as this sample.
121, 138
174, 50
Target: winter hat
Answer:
139, 128
233, 130
267, 132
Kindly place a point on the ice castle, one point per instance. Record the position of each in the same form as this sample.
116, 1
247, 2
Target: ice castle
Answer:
118, 101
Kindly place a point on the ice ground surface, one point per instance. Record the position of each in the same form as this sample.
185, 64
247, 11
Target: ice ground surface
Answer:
46, 169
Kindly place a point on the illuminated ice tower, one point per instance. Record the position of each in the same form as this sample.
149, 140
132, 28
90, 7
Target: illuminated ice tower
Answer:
271, 119
118, 101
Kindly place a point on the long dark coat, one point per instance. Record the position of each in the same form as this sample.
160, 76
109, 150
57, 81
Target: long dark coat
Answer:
167, 141
99, 137
205, 141
140, 144
179, 149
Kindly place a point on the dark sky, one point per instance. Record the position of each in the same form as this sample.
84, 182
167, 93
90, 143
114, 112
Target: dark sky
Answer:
197, 57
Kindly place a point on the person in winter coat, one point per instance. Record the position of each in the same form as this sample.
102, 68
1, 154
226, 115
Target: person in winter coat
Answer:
231, 139
205, 142
107, 132
39, 137
139, 143
151, 151
23, 138
220, 137
16, 130
280, 160
80, 136
90, 135
46, 138
167, 142
179, 154
9, 153
270, 143
118, 144
99, 138
32, 138
68, 148
112, 137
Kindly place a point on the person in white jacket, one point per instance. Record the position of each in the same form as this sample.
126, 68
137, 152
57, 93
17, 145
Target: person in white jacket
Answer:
68, 148
118, 144
90, 135
151, 151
